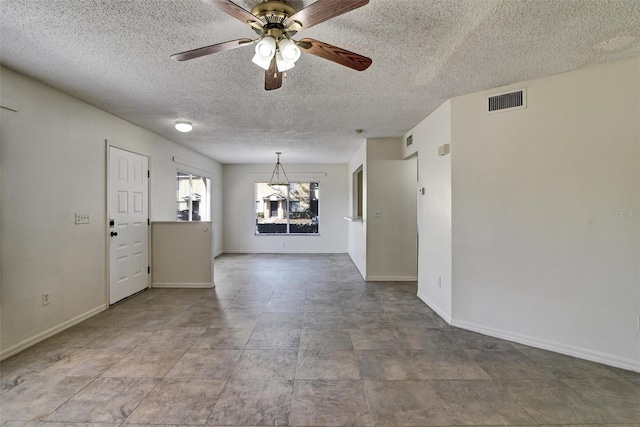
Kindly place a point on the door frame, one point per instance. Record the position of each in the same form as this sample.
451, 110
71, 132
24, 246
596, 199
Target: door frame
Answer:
108, 144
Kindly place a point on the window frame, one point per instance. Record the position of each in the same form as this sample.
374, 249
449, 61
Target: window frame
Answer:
208, 197
287, 208
358, 193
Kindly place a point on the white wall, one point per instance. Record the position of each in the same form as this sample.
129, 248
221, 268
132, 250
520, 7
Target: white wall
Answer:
384, 248
239, 209
413, 148
391, 237
546, 222
357, 230
189, 161
182, 254
53, 165
434, 210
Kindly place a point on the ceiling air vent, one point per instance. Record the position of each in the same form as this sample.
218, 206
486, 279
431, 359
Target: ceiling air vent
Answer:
409, 141
515, 100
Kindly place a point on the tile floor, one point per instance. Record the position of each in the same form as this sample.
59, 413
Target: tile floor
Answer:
299, 340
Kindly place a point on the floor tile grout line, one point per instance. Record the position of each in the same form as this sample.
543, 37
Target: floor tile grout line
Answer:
380, 297
71, 397
563, 381
295, 372
513, 398
159, 380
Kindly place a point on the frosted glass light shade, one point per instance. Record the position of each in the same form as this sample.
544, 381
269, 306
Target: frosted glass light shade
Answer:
265, 49
282, 64
289, 50
261, 62
182, 126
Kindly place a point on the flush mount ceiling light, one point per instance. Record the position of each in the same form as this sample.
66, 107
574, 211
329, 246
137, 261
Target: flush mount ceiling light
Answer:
275, 23
279, 176
183, 126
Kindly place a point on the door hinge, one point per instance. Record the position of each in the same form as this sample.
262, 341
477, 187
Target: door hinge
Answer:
148, 173
149, 269
148, 221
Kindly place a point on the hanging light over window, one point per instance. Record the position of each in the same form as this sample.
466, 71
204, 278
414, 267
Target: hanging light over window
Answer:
279, 176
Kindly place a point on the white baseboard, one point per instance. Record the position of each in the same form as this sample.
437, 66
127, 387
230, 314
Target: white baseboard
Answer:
183, 285
50, 332
217, 254
362, 273
439, 311
581, 353
320, 252
391, 278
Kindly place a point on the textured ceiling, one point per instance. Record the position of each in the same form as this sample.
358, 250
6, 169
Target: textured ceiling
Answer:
114, 54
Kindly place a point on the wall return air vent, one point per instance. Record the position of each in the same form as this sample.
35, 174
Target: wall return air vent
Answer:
409, 141
508, 101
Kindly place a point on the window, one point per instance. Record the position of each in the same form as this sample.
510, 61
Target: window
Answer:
358, 192
287, 209
193, 197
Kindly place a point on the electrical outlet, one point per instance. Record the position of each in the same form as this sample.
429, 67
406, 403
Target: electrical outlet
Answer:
377, 214
82, 218
45, 298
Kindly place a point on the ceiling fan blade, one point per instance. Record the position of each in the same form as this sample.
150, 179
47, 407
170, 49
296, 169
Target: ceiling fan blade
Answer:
208, 50
323, 10
272, 77
230, 8
335, 54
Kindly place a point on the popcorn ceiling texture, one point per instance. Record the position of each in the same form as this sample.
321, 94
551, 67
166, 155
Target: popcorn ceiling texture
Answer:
114, 54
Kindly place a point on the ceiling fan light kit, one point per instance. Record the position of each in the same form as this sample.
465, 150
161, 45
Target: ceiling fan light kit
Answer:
288, 54
265, 50
289, 50
276, 23
282, 64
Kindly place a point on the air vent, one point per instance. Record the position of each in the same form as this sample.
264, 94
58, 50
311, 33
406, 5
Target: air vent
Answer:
515, 100
409, 141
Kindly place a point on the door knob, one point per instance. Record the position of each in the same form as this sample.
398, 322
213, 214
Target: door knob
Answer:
114, 233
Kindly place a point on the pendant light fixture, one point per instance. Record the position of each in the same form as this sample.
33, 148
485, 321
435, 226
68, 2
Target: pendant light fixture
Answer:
279, 176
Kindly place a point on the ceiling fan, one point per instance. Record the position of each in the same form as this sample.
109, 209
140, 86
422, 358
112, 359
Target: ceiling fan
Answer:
276, 23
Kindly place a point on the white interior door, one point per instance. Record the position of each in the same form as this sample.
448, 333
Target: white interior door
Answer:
128, 223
